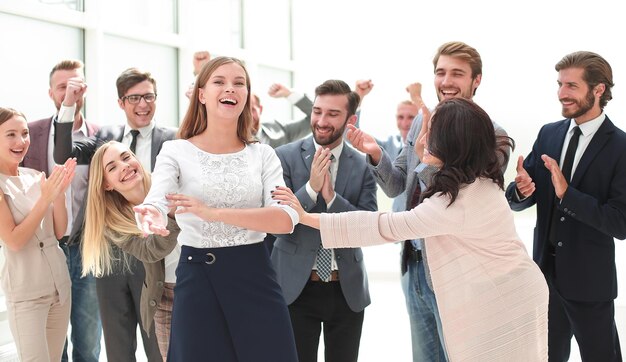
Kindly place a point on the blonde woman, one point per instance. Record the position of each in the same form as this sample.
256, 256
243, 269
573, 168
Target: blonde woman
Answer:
117, 182
35, 278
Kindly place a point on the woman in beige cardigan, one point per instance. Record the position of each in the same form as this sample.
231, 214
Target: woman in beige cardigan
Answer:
492, 298
117, 182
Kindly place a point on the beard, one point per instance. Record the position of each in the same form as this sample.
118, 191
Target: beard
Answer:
584, 105
327, 140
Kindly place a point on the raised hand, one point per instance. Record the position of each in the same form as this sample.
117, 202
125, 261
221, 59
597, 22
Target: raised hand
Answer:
558, 180
523, 181
75, 91
363, 141
319, 168
199, 60
415, 92
52, 186
278, 90
363, 87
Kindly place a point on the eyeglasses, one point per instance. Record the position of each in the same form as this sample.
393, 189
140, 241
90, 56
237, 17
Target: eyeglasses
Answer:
136, 98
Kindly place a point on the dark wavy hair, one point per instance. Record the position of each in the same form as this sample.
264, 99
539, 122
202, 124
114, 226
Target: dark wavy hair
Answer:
463, 138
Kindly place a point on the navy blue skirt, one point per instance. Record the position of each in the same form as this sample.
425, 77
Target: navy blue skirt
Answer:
228, 306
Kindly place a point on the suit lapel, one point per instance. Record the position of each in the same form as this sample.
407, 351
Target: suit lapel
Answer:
344, 172
307, 152
602, 136
157, 142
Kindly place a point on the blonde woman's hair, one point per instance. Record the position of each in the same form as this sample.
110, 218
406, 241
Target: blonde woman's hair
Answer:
109, 218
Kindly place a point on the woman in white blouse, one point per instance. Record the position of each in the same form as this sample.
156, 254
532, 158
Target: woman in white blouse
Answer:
227, 303
491, 296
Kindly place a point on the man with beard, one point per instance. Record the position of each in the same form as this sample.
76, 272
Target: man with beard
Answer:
84, 316
325, 287
458, 73
576, 175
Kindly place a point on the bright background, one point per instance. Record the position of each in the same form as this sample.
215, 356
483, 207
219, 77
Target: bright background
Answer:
302, 43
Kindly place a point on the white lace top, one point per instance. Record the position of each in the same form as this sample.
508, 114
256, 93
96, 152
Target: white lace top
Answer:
242, 179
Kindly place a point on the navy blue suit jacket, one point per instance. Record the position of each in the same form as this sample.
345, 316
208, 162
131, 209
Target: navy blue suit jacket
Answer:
591, 214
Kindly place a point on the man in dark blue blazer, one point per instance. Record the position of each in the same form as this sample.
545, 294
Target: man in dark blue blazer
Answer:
326, 175
576, 175
119, 294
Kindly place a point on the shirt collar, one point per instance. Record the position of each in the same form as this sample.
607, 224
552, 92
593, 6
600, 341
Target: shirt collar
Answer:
588, 128
143, 131
335, 151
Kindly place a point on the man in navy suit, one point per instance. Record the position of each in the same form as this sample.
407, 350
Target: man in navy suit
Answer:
576, 175
84, 316
119, 294
325, 287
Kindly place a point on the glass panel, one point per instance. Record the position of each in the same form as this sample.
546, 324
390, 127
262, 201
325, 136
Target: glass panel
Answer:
218, 24
120, 54
268, 35
28, 59
159, 15
274, 108
65, 4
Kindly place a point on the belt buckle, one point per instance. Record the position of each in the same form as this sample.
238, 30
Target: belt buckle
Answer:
210, 258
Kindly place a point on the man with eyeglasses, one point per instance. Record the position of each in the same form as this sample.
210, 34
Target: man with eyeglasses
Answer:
119, 294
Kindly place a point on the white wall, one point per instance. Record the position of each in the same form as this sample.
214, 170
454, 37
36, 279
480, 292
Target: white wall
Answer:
393, 43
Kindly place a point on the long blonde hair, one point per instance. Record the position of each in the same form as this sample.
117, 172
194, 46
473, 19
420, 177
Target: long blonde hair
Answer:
109, 217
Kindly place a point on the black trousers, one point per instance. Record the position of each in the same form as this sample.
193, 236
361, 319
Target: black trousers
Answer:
322, 305
592, 323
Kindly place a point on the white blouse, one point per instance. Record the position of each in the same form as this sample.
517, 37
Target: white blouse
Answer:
243, 179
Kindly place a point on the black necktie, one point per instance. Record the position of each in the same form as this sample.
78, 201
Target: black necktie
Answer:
133, 142
568, 163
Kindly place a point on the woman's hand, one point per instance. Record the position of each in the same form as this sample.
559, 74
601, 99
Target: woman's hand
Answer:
150, 220
184, 204
285, 196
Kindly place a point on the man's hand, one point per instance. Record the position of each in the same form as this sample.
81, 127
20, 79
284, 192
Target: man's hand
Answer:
523, 181
558, 180
327, 191
75, 91
319, 168
199, 60
363, 87
278, 90
415, 92
363, 142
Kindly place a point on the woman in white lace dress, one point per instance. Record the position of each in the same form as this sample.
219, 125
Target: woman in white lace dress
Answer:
491, 296
227, 303
35, 278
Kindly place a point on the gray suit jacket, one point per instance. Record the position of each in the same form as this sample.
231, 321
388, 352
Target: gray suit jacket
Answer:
294, 254
277, 133
84, 149
37, 158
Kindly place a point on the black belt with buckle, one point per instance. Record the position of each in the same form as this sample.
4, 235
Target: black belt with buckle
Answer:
415, 254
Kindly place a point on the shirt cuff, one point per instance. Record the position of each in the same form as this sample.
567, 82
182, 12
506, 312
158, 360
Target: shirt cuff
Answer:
66, 114
331, 201
519, 197
294, 97
311, 192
